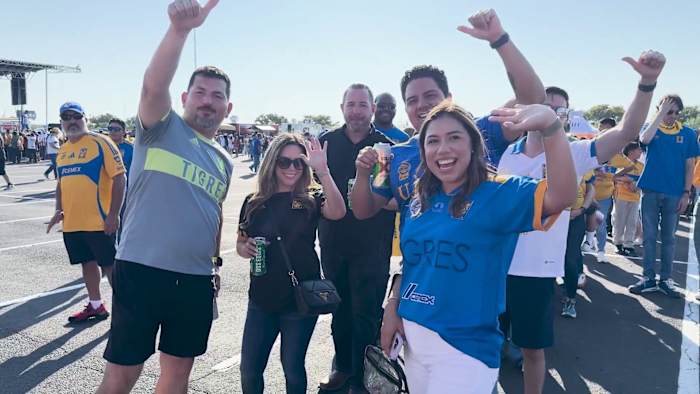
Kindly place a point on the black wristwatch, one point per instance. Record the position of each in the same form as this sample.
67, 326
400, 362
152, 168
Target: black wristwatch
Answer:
217, 261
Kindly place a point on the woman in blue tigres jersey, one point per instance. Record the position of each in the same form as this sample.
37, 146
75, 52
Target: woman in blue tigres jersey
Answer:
457, 244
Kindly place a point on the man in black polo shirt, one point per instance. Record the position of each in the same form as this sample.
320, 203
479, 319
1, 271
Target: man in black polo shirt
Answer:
355, 253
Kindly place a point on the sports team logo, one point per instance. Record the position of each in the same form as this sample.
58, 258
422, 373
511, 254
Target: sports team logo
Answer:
404, 170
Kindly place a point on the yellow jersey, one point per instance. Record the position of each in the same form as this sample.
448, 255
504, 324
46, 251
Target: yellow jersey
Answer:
625, 191
581, 192
604, 186
85, 170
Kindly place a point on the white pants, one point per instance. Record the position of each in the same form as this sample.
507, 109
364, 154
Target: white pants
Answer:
624, 220
433, 366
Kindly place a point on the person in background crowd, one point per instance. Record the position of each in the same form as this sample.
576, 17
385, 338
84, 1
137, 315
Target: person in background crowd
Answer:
8, 183
384, 118
53, 144
255, 151
117, 132
287, 201
89, 195
540, 256
665, 184
355, 253
627, 196
32, 147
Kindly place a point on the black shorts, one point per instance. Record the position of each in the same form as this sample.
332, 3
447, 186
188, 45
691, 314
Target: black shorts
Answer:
85, 246
146, 299
529, 308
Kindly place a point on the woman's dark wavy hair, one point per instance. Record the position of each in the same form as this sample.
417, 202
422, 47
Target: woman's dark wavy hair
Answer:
477, 172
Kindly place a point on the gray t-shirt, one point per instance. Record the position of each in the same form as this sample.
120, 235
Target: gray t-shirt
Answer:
177, 182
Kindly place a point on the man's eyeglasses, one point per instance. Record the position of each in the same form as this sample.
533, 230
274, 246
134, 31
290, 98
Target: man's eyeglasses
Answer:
74, 116
285, 162
672, 112
113, 129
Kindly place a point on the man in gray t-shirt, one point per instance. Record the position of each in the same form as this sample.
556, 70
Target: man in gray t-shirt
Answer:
166, 273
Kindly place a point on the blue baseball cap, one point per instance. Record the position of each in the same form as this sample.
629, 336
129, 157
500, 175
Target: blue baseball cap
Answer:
71, 106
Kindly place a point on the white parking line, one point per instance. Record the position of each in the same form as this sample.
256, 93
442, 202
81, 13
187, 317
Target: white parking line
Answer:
688, 370
14, 204
25, 220
30, 245
23, 197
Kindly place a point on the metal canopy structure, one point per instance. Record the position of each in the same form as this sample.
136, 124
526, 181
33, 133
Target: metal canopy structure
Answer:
17, 69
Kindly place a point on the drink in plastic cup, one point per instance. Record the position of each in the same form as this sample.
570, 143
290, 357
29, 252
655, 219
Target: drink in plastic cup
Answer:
380, 172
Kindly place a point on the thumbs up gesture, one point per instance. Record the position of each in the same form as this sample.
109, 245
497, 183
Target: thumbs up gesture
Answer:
186, 15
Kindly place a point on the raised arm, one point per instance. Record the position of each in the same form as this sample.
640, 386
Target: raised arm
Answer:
649, 66
561, 174
526, 84
650, 131
365, 203
317, 158
155, 103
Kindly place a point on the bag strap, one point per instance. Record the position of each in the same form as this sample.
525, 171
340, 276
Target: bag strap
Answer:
287, 261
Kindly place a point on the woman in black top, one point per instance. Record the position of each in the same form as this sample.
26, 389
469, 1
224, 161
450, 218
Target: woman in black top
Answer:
289, 203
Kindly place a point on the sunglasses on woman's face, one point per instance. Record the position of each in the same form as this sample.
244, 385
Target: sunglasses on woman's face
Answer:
68, 116
672, 112
285, 162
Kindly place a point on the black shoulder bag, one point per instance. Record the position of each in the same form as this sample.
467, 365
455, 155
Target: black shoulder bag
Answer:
313, 297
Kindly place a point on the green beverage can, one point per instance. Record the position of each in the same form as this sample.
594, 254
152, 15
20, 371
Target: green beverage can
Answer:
258, 267
380, 171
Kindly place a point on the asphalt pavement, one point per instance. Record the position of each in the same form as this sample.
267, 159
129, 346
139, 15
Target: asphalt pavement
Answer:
620, 343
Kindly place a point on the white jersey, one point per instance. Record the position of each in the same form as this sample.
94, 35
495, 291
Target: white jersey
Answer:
540, 254
31, 142
51, 143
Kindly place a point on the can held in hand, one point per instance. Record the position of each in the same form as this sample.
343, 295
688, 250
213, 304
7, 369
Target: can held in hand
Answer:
258, 266
380, 171
351, 183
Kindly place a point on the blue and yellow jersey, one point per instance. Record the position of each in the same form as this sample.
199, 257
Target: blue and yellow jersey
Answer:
85, 170
455, 265
604, 185
127, 151
588, 178
626, 192
667, 153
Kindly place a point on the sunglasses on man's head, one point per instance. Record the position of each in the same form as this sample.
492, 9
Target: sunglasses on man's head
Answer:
74, 116
285, 162
672, 112
113, 129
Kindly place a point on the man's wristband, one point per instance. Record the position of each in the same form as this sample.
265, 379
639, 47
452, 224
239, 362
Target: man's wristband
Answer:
502, 40
647, 88
551, 129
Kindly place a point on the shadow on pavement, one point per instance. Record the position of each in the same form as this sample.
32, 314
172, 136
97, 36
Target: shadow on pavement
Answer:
615, 343
23, 373
19, 318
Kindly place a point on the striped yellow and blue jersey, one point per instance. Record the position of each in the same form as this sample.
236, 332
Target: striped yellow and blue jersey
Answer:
85, 169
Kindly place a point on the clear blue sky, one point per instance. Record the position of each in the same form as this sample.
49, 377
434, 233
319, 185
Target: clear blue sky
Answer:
297, 57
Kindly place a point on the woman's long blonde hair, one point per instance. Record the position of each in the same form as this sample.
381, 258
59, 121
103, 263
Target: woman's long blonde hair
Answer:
267, 180
477, 172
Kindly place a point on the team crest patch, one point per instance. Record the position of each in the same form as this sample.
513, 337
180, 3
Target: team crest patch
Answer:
415, 207
297, 204
404, 170
82, 153
463, 212
679, 139
438, 206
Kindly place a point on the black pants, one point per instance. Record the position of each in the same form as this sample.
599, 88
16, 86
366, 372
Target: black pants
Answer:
361, 281
573, 260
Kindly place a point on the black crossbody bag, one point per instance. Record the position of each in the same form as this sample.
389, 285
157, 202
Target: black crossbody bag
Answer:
315, 296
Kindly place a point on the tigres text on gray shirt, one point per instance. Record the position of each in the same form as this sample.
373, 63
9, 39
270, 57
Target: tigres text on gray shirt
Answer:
177, 182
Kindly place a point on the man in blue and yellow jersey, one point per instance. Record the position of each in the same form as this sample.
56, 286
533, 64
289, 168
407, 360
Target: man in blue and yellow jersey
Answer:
166, 269
89, 196
665, 184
